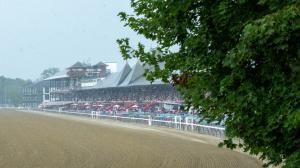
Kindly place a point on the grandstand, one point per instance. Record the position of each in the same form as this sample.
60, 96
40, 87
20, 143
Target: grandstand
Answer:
95, 87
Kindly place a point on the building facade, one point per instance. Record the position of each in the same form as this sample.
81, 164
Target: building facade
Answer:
32, 94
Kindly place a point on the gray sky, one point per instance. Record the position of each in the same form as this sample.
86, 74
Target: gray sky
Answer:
38, 34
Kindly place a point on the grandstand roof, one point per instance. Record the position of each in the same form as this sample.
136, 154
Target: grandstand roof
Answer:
126, 77
34, 84
123, 74
109, 81
61, 74
114, 79
143, 81
136, 72
78, 65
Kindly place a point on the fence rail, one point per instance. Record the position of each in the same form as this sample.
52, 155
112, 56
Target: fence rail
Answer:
176, 123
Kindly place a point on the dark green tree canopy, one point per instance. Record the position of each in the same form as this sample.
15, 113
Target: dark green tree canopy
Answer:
49, 72
11, 91
237, 59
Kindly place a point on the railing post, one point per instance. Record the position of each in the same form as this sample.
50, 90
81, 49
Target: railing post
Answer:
149, 120
177, 122
98, 114
192, 125
180, 123
92, 114
186, 123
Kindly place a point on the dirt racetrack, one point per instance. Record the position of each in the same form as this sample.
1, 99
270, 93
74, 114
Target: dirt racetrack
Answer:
29, 140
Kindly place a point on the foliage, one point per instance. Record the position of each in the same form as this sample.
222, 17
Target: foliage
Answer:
239, 59
49, 72
11, 91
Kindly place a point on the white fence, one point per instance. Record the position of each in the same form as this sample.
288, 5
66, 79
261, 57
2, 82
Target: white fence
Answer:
175, 123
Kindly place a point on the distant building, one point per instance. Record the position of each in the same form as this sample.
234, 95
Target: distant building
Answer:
82, 70
32, 94
80, 75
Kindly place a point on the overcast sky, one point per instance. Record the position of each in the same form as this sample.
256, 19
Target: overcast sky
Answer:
38, 34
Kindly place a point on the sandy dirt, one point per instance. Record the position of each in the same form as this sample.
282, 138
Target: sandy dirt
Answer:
35, 140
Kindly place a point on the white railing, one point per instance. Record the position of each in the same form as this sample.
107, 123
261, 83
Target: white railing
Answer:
176, 123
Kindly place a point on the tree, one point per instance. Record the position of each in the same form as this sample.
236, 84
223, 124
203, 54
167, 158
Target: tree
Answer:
238, 60
49, 72
11, 91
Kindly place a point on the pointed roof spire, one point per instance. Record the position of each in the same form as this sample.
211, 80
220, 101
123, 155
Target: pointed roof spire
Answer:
124, 73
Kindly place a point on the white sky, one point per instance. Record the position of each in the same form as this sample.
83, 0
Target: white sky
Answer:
39, 34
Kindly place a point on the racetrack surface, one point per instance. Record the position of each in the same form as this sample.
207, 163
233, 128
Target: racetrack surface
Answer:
29, 140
